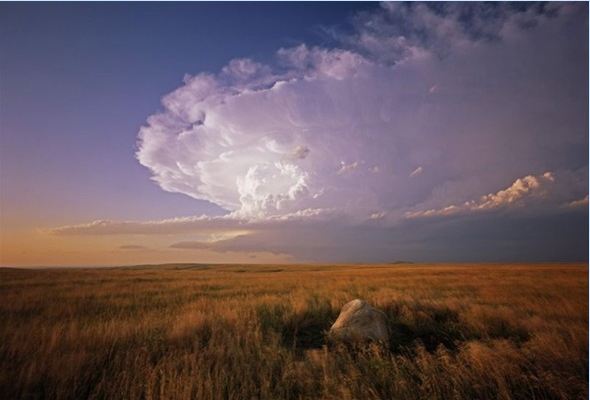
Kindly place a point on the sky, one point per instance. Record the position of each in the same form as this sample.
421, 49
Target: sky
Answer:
134, 133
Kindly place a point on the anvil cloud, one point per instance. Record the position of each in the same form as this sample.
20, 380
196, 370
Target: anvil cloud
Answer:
417, 111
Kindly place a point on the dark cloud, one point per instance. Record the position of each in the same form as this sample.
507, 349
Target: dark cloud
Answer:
132, 247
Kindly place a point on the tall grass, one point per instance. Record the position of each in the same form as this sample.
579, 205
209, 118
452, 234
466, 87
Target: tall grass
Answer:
256, 332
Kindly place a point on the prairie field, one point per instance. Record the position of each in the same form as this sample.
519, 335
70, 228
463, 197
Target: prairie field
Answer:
196, 331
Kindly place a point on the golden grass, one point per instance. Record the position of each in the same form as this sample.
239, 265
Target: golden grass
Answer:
257, 332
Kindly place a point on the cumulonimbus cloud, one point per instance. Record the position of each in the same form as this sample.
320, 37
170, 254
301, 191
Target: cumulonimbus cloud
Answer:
346, 128
453, 110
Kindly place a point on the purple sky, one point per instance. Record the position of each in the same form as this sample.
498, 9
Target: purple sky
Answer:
332, 132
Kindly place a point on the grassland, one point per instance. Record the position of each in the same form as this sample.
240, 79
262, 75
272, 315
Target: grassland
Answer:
257, 332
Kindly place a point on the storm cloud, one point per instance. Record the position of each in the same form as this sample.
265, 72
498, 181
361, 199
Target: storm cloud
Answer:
420, 117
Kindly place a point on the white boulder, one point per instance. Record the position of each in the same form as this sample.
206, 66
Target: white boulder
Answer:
359, 321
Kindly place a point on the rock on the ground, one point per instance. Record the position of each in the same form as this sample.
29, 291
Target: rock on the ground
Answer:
359, 321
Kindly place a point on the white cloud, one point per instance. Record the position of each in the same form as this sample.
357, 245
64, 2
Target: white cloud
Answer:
526, 191
336, 138
579, 203
347, 168
226, 224
268, 188
378, 215
262, 140
416, 172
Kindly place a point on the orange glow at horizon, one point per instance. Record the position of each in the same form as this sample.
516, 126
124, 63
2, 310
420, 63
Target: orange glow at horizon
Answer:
35, 248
